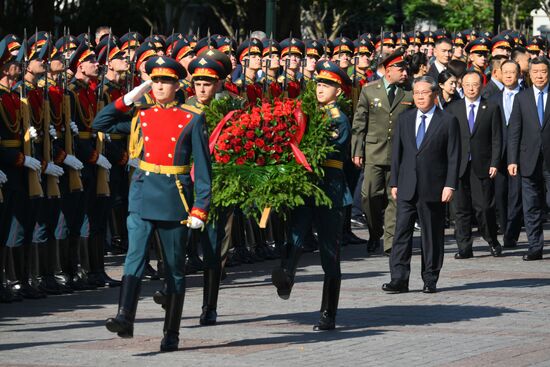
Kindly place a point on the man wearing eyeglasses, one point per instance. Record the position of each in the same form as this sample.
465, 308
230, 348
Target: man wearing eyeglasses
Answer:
379, 105
481, 138
424, 175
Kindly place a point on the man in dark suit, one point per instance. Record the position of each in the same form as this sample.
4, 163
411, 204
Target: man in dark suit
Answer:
481, 139
443, 51
529, 155
424, 174
508, 188
495, 84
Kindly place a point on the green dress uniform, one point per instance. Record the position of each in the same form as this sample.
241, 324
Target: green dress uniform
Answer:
165, 138
372, 133
329, 221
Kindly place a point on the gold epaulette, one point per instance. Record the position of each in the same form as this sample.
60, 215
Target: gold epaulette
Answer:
190, 108
334, 112
281, 79
239, 82
143, 105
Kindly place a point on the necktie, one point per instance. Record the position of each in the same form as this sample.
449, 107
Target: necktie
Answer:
391, 93
471, 117
508, 106
421, 131
540, 107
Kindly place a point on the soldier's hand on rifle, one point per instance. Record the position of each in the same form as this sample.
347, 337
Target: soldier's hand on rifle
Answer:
3, 178
33, 133
195, 223
74, 128
32, 163
358, 161
53, 169
135, 94
53, 132
103, 162
73, 162
133, 162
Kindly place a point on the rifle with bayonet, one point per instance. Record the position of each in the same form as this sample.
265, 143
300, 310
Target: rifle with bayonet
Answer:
35, 188
245, 67
268, 66
75, 182
52, 182
102, 188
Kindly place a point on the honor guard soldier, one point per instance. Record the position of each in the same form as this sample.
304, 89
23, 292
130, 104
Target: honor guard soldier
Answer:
314, 51
158, 42
459, 42
328, 221
249, 55
229, 47
165, 138
93, 206
502, 44
388, 39
292, 51
327, 48
144, 52
429, 43
130, 42
380, 103
14, 164
362, 60
113, 86
271, 63
416, 40
342, 52
183, 52
478, 55
535, 47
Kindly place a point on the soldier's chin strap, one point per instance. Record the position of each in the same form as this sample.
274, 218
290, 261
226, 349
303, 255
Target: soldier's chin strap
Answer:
182, 197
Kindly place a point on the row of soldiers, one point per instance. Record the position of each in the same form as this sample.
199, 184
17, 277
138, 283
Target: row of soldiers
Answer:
65, 186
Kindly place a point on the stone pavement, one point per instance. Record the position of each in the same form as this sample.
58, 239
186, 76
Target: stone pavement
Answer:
488, 312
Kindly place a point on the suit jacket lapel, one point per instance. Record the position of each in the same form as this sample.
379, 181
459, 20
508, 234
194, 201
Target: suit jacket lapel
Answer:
480, 112
432, 128
412, 129
531, 100
546, 112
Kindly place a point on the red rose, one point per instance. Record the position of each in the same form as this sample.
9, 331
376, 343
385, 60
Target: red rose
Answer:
250, 134
238, 149
250, 154
278, 149
235, 142
248, 145
260, 161
240, 161
259, 142
224, 158
276, 157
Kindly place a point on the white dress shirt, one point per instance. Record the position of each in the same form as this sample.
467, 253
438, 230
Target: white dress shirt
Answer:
508, 105
429, 116
468, 102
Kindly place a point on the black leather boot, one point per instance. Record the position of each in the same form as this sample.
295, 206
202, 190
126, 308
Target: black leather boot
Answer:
46, 280
20, 270
210, 292
123, 322
119, 232
282, 276
194, 263
172, 320
99, 264
55, 261
329, 304
71, 266
6, 295
86, 260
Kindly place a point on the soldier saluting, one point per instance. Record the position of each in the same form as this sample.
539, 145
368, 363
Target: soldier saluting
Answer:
163, 137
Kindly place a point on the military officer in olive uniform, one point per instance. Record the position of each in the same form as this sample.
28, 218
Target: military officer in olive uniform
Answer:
165, 137
379, 105
329, 221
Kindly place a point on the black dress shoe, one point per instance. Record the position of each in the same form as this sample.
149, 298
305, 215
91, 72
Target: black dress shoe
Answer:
373, 244
387, 252
326, 322
351, 239
150, 272
208, 317
358, 222
510, 243
395, 287
532, 257
429, 288
169, 342
460, 256
496, 250
282, 281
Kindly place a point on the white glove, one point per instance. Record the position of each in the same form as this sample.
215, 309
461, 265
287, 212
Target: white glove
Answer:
53, 169
195, 223
103, 162
32, 163
3, 178
74, 128
73, 162
33, 133
133, 162
53, 132
135, 94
